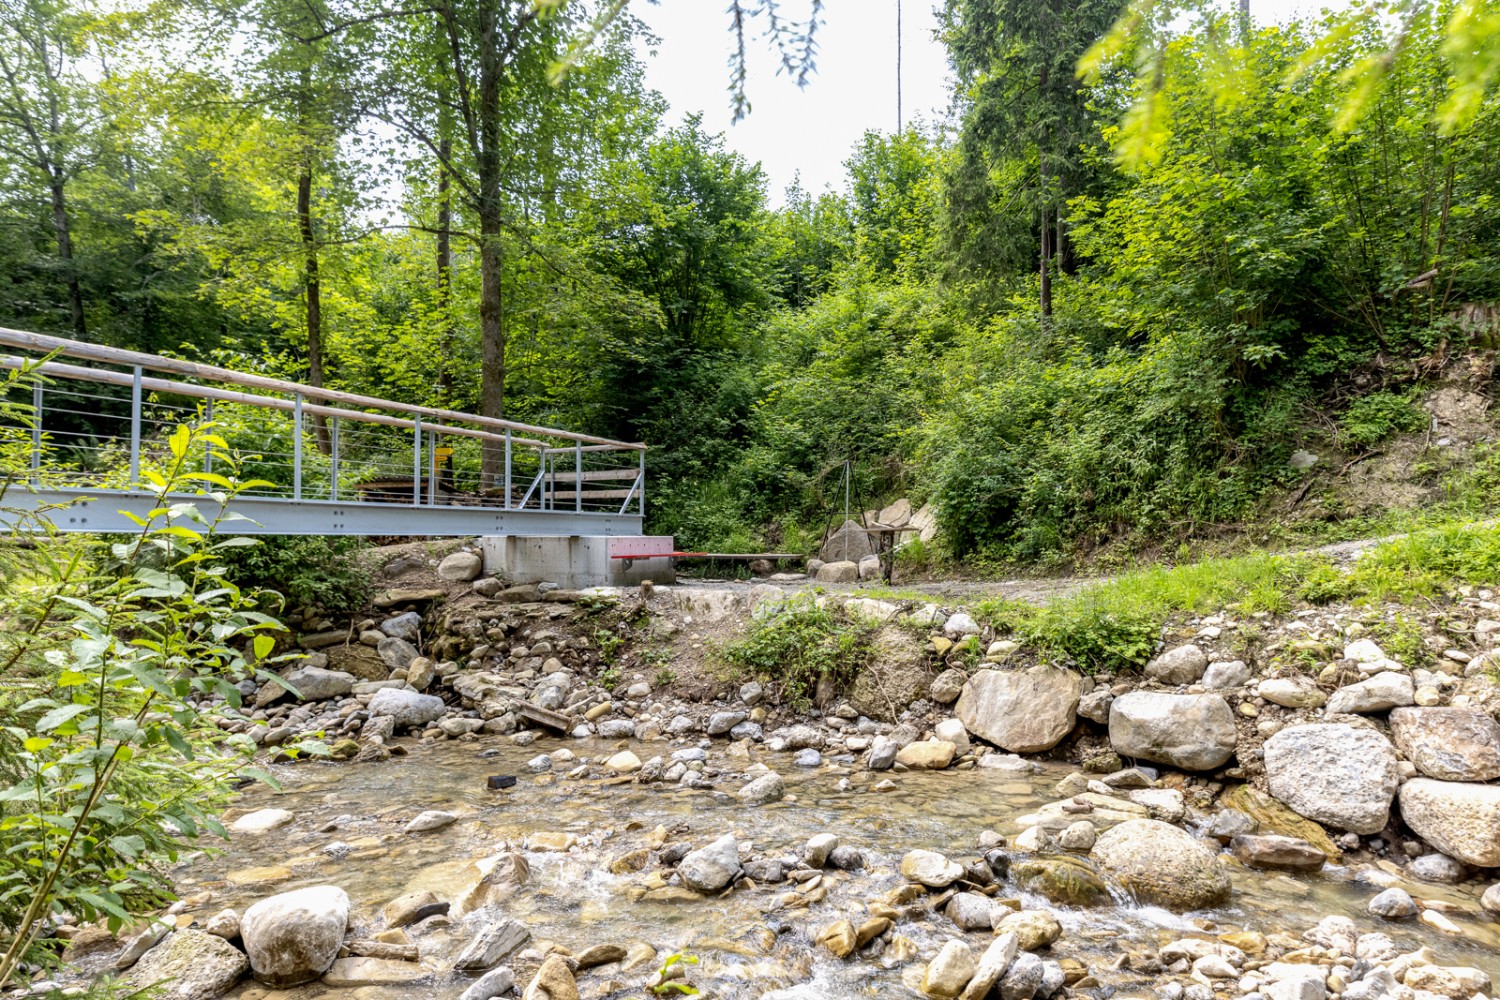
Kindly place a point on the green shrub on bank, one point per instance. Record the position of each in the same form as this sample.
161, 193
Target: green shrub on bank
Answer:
309, 571
795, 644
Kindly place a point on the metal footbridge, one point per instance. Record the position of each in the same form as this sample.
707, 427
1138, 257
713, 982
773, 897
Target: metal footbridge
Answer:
334, 463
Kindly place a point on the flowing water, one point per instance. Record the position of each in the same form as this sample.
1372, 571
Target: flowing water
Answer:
749, 944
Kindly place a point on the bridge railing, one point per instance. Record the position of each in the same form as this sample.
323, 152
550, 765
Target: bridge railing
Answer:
103, 424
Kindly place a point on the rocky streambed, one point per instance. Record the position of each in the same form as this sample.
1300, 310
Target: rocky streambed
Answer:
594, 865
1276, 807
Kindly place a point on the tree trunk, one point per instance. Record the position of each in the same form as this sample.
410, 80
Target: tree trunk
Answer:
314, 292
311, 282
445, 274
1046, 247
491, 273
64, 234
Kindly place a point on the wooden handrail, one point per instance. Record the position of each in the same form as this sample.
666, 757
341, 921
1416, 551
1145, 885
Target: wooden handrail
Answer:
43, 344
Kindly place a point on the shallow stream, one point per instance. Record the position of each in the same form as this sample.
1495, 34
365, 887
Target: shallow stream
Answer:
748, 943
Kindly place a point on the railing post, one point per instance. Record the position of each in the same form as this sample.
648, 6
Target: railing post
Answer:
416, 461
432, 447
135, 427
642, 453
505, 499
577, 475
36, 435
333, 447
208, 449
297, 446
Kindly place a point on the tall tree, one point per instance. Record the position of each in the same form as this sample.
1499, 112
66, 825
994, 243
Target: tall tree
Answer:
1024, 104
50, 114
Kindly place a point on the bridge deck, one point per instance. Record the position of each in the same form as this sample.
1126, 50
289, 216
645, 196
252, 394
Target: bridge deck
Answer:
334, 462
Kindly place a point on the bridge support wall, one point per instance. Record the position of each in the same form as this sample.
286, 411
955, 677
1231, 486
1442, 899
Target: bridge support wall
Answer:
577, 561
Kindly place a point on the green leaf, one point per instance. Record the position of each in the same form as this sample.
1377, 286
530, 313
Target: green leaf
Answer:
36, 744
264, 644
177, 742
58, 716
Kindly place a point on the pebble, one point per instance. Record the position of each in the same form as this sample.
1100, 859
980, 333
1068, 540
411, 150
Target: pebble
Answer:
1393, 904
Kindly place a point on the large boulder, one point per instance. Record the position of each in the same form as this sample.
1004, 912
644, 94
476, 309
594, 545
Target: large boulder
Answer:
318, 684
1334, 773
408, 708
838, 572
294, 937
711, 868
396, 653
1192, 731
1450, 744
1023, 711
898, 674
460, 567
189, 965
1386, 690
1161, 865
1183, 665
1458, 818
849, 543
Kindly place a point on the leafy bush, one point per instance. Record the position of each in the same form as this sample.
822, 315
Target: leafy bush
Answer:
108, 770
796, 643
306, 570
1373, 418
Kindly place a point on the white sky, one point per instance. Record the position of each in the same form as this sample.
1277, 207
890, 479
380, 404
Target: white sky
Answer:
812, 131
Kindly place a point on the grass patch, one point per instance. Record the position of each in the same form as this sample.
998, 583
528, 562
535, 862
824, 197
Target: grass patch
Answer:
1113, 625
795, 644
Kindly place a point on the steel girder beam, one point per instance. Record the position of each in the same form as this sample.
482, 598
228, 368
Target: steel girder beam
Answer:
100, 511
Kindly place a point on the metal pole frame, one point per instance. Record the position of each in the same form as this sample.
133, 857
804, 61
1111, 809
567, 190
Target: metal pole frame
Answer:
135, 427
505, 498
36, 434
297, 446
577, 476
208, 449
432, 447
333, 447
416, 463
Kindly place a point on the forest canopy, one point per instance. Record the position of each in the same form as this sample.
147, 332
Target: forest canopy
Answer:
1058, 340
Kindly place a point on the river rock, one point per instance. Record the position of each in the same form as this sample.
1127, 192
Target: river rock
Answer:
1460, 819
953, 731
1436, 868
1386, 690
883, 753
224, 924
411, 907
766, 788
190, 965
1094, 706
1183, 665
947, 686
1066, 881
1023, 979
950, 971
495, 983
1334, 773
839, 938
993, 965
261, 821
1296, 691
1033, 928
553, 981
1393, 904
1194, 732
1227, 675
460, 567
711, 868
1450, 744
359, 971
1273, 851
930, 869
396, 654
722, 722
408, 708
293, 937
1023, 711
1161, 864
495, 940
318, 684
432, 819
926, 755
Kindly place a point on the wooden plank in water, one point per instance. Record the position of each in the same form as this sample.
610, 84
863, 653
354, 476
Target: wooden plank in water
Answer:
545, 716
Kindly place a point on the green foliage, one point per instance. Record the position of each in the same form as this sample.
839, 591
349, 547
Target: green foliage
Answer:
309, 571
795, 643
1373, 418
109, 769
